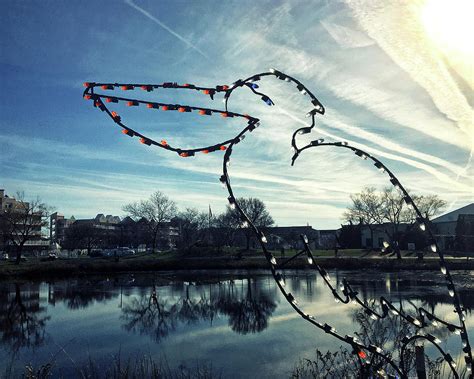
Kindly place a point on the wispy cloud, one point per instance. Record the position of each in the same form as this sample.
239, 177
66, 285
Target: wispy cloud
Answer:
167, 28
407, 44
429, 169
346, 37
372, 100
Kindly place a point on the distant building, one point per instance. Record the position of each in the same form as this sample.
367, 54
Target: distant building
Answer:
373, 236
10, 204
114, 231
329, 239
289, 237
278, 237
57, 227
455, 230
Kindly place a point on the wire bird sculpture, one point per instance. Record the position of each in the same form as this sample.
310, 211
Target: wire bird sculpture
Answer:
365, 353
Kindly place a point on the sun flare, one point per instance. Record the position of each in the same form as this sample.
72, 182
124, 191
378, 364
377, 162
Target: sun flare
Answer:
449, 25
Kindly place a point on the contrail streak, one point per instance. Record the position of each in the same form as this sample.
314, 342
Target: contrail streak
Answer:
422, 166
156, 21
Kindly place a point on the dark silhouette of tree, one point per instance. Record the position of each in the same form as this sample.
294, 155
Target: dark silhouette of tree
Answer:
223, 230
157, 210
193, 226
256, 211
366, 209
83, 236
350, 236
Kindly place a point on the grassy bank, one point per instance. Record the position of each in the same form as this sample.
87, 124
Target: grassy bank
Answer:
357, 260
137, 367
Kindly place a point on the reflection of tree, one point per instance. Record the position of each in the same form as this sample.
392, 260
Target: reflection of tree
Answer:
250, 313
147, 316
81, 295
188, 310
345, 364
248, 310
22, 319
387, 333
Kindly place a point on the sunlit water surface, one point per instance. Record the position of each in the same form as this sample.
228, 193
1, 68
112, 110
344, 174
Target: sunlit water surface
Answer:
236, 321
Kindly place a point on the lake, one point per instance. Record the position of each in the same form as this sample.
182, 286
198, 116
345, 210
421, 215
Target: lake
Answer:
235, 321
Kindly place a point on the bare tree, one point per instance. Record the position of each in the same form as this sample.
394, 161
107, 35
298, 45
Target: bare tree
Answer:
387, 210
429, 206
192, 225
256, 211
394, 213
366, 209
223, 230
157, 210
22, 221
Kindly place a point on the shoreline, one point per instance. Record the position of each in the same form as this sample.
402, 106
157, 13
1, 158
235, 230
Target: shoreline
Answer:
92, 266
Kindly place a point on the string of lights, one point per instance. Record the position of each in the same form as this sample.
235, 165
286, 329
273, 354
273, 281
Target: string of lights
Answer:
349, 295
100, 101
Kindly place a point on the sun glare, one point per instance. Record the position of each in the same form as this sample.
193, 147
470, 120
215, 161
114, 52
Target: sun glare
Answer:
449, 25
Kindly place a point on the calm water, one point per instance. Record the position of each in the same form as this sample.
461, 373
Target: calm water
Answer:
237, 320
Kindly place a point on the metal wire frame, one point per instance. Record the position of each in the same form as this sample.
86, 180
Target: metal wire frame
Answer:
346, 289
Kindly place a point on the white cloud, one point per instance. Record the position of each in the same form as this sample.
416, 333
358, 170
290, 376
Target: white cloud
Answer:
346, 37
398, 30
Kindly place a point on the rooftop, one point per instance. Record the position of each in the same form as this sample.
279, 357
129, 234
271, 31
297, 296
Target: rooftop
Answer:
453, 215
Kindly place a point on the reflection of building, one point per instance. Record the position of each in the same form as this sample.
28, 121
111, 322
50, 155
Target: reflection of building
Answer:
455, 230
24, 222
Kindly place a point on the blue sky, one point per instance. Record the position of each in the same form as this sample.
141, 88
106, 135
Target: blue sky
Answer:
389, 82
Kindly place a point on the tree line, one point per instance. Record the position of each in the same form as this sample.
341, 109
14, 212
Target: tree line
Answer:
387, 211
377, 210
154, 217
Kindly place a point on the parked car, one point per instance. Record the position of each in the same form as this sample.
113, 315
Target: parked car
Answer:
109, 252
97, 253
121, 251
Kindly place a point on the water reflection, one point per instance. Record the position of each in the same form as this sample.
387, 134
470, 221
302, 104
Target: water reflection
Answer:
80, 294
247, 307
22, 318
149, 316
159, 306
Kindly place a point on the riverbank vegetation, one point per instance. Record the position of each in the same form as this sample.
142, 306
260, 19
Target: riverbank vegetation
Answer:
118, 368
204, 259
